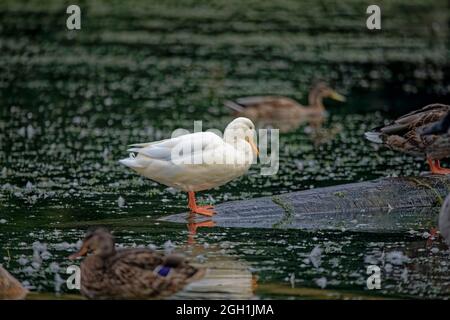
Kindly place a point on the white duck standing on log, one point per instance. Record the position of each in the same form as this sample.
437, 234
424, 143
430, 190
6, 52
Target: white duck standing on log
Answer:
197, 161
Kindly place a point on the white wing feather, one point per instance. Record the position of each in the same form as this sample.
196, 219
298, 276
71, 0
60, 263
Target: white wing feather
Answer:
163, 150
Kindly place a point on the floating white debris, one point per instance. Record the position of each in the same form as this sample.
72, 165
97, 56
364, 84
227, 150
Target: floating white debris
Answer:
225, 245
426, 235
30, 131
434, 250
371, 259
404, 275
121, 202
21, 132
105, 154
316, 256
299, 164
388, 267
58, 282
396, 258
292, 280
63, 246
29, 270
3, 221
171, 190
168, 247
29, 186
27, 285
200, 258
40, 253
321, 282
46, 255
54, 267
22, 260
39, 247
108, 101
36, 265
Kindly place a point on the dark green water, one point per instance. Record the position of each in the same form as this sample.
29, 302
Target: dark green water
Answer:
71, 102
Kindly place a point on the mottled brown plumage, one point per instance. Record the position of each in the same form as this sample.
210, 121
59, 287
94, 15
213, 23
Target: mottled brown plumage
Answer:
130, 273
282, 112
440, 148
10, 288
406, 134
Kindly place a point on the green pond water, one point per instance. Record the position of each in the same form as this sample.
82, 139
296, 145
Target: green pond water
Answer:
71, 102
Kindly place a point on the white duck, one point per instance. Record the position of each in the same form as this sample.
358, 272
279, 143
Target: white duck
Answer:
197, 161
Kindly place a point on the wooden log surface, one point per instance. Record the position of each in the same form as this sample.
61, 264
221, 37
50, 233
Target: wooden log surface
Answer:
386, 204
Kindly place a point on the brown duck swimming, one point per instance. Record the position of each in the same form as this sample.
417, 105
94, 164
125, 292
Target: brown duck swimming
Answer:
406, 134
282, 112
130, 273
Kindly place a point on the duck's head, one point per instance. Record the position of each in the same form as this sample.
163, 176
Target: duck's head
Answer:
241, 129
440, 127
99, 242
320, 91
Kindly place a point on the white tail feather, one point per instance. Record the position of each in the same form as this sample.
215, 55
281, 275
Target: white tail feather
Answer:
374, 137
132, 163
140, 145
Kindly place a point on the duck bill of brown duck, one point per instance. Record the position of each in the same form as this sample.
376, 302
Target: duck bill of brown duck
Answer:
81, 253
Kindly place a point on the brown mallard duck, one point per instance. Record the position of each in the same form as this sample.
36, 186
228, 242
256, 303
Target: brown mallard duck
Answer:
130, 273
10, 288
406, 134
283, 111
438, 150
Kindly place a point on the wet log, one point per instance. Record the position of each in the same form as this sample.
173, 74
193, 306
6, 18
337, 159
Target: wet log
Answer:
386, 204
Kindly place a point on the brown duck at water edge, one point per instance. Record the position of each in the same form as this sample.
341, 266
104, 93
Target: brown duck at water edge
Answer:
285, 113
439, 149
406, 134
130, 273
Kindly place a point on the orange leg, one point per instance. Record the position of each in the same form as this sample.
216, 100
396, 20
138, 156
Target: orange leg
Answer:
435, 167
203, 210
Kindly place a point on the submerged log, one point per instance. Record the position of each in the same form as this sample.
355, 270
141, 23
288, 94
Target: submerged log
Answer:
386, 204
